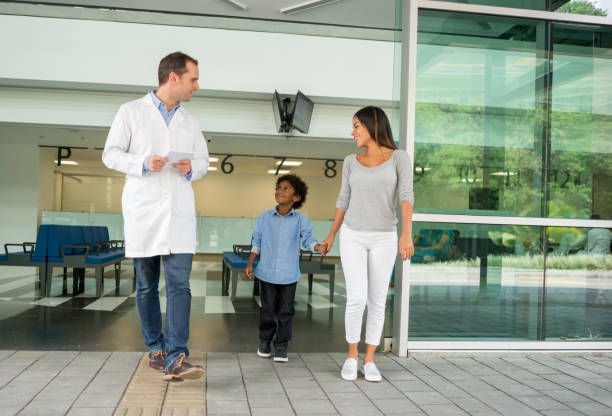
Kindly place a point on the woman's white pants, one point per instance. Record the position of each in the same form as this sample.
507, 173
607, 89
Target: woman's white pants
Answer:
367, 261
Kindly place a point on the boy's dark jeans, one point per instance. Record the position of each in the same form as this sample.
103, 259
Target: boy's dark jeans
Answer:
276, 301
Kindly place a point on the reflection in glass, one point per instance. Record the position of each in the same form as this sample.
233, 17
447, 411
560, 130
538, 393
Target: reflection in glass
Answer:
479, 135
580, 183
486, 284
519, 4
579, 284
585, 7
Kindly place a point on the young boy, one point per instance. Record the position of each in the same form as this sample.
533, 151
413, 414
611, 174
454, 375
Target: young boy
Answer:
276, 239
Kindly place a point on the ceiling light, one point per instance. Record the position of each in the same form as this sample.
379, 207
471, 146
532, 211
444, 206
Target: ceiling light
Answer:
289, 163
67, 162
214, 159
306, 5
236, 4
212, 168
282, 171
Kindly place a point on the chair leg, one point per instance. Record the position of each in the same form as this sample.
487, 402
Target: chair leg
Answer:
48, 279
82, 280
255, 286
332, 278
66, 273
117, 274
42, 279
225, 279
310, 278
99, 280
234, 283
75, 281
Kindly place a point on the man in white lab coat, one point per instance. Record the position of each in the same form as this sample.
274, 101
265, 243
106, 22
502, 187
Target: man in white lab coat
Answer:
158, 205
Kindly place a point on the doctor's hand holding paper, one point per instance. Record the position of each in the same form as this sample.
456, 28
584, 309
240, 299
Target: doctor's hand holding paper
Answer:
183, 166
156, 163
160, 148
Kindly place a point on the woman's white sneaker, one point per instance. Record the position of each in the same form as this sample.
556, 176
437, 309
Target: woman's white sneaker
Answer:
349, 369
371, 373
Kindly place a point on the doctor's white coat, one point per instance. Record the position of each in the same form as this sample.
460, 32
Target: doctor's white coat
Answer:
158, 207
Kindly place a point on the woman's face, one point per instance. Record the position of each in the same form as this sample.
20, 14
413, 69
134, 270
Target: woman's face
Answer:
360, 133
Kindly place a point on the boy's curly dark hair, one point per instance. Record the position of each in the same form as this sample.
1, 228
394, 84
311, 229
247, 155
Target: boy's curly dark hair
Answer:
300, 188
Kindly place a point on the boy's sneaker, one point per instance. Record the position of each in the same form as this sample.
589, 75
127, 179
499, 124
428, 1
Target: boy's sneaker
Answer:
264, 349
280, 354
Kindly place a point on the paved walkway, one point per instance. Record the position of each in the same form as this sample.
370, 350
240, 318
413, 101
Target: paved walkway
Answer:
120, 383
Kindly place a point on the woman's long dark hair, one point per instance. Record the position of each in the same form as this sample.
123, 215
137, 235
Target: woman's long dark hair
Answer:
376, 122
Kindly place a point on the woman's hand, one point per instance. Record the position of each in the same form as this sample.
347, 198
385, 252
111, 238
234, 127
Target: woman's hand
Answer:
321, 248
328, 242
406, 247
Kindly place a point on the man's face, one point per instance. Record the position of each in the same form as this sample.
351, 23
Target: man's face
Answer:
187, 83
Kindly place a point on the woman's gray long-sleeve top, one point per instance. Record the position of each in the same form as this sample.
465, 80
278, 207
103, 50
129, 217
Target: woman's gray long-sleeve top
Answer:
368, 195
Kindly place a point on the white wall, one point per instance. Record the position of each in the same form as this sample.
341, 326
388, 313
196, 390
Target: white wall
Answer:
46, 181
248, 195
74, 50
19, 186
241, 194
216, 116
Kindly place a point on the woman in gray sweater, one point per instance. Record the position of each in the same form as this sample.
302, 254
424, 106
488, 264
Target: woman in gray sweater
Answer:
372, 182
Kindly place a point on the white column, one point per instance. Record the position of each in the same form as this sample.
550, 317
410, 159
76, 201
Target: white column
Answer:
407, 110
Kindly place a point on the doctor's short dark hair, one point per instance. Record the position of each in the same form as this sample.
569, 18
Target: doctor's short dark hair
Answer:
175, 62
300, 187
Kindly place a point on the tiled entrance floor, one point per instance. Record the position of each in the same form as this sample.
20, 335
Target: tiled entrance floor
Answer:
120, 383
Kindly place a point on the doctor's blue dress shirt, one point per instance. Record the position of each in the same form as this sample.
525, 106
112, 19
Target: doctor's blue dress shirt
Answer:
167, 115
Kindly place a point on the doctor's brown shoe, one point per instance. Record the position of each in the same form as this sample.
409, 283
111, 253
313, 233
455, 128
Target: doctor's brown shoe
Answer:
157, 360
181, 369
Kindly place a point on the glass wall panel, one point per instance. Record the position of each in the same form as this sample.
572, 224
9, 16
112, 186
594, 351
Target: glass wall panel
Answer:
519, 4
479, 119
579, 285
476, 281
586, 7
367, 14
228, 200
581, 121
235, 186
91, 193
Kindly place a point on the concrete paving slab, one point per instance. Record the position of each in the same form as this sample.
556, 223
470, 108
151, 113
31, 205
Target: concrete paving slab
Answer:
122, 384
390, 406
359, 411
274, 400
84, 411
306, 406
273, 411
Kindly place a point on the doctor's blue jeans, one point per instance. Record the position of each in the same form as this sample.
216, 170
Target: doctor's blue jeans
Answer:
177, 268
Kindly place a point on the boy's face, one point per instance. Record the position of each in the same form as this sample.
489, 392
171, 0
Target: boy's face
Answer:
285, 194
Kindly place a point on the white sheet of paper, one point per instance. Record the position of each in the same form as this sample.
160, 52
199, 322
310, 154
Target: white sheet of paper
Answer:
174, 157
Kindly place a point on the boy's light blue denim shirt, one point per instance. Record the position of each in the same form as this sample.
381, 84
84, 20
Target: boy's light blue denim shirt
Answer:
277, 240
